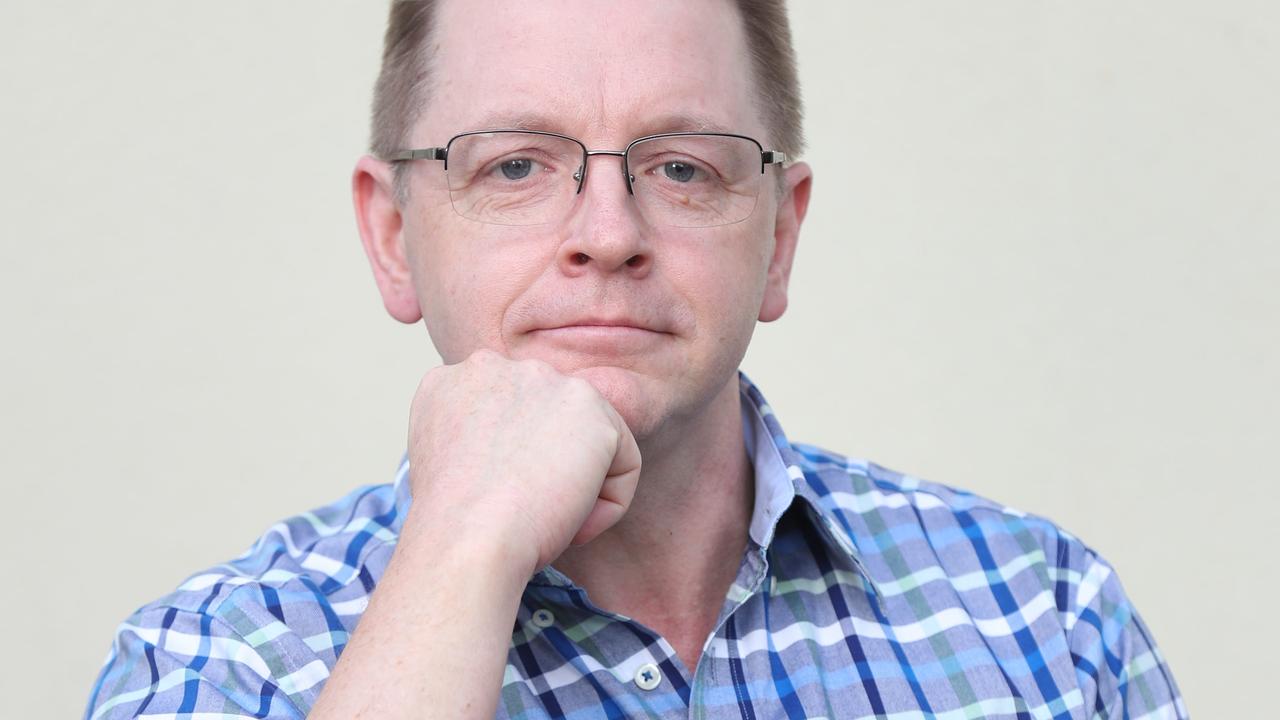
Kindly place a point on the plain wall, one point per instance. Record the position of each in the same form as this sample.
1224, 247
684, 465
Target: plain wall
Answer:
1041, 264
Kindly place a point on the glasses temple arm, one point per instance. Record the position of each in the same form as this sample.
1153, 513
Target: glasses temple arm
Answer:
771, 157
434, 153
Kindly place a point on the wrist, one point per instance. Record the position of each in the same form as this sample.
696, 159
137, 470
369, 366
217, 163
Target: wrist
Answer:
482, 550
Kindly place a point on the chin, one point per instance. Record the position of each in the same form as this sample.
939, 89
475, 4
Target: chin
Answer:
636, 397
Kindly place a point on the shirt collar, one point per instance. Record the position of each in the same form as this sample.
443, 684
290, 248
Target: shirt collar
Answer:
780, 478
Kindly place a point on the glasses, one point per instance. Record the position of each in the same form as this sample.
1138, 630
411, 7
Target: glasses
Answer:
528, 177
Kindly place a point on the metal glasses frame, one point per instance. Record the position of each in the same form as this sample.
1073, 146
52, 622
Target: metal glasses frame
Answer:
767, 157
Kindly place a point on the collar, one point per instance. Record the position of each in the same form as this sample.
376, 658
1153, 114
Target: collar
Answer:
782, 477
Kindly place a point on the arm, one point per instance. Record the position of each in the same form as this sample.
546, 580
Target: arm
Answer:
509, 463
166, 659
1118, 665
433, 641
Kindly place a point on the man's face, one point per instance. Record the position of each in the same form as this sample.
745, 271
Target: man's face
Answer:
656, 317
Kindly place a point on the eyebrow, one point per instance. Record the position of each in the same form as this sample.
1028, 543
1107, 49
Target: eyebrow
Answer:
518, 121
671, 122
684, 122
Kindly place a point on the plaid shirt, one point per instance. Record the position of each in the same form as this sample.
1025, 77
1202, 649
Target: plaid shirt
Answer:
863, 593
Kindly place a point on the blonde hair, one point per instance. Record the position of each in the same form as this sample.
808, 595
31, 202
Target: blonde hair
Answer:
404, 83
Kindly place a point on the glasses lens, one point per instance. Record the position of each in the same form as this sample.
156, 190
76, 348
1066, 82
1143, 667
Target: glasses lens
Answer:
696, 180
511, 177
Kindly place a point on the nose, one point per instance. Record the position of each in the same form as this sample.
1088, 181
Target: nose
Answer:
605, 233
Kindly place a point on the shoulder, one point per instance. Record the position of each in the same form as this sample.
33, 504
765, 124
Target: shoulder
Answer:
970, 562
322, 551
908, 528
856, 486
255, 635
311, 572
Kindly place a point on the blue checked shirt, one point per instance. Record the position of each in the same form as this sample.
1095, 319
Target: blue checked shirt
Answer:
863, 593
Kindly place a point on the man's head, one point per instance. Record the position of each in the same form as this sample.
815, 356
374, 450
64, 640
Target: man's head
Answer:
657, 316
404, 83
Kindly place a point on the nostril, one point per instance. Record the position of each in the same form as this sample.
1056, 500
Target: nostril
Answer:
635, 261
580, 259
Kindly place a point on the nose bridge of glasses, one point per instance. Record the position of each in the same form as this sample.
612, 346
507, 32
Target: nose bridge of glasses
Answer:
581, 175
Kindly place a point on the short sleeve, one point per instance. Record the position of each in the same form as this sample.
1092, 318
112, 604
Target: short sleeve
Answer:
1118, 665
165, 662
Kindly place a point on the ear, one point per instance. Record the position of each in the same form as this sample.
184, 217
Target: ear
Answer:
786, 232
382, 233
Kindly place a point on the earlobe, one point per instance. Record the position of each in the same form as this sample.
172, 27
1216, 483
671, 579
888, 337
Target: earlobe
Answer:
786, 233
381, 225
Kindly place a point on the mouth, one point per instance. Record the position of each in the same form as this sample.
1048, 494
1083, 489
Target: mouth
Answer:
606, 324
602, 336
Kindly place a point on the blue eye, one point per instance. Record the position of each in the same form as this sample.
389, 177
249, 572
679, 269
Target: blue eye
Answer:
517, 169
678, 171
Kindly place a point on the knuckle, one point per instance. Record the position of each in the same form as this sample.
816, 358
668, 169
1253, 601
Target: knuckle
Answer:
430, 379
610, 435
536, 372
535, 365
584, 391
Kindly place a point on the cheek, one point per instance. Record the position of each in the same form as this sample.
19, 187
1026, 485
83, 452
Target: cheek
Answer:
466, 278
723, 278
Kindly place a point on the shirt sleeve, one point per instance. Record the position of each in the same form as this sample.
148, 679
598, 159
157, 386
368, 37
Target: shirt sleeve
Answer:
1119, 668
167, 662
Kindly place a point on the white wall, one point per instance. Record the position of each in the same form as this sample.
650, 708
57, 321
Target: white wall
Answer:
1041, 264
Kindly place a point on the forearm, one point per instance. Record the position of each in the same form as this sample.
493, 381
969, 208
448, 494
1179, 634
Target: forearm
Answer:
433, 641
511, 461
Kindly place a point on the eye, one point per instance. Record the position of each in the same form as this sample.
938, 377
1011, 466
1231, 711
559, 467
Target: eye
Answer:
679, 171
518, 169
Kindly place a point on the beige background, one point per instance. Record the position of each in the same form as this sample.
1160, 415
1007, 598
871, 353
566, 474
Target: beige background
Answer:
1041, 264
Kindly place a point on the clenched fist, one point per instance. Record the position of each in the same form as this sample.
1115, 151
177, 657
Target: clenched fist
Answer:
515, 452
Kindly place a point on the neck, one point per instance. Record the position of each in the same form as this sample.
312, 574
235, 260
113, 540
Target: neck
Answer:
674, 554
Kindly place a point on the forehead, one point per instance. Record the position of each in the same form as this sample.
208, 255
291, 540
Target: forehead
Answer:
604, 70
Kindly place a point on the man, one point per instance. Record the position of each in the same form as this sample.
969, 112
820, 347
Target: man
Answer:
590, 205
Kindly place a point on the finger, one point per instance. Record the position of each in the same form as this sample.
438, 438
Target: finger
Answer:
626, 456
612, 503
604, 515
618, 488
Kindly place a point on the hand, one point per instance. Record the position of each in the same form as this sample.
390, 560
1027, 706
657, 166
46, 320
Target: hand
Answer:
515, 452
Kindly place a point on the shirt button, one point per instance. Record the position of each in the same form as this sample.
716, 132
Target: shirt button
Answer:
543, 618
648, 677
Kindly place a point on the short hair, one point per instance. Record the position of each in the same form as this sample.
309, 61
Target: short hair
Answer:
404, 83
